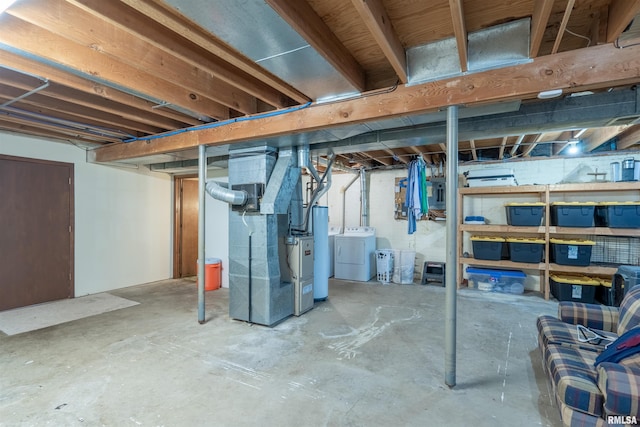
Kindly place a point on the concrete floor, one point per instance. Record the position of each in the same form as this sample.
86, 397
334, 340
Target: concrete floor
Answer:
371, 355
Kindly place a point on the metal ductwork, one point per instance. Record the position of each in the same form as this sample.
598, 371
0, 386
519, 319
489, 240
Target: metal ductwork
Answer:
282, 183
256, 291
304, 161
364, 205
343, 191
324, 183
218, 192
265, 197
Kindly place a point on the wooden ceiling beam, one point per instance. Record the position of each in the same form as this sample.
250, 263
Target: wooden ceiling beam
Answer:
376, 158
55, 75
474, 153
563, 26
621, 13
601, 135
572, 71
598, 29
563, 146
37, 131
503, 145
541, 139
629, 138
378, 22
460, 32
52, 47
48, 129
426, 156
172, 19
116, 45
517, 144
541, 13
417, 151
179, 46
396, 156
91, 102
527, 151
380, 157
302, 18
55, 108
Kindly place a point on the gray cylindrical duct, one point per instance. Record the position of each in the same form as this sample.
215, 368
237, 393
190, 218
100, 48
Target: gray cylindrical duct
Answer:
364, 206
343, 191
218, 192
303, 156
304, 162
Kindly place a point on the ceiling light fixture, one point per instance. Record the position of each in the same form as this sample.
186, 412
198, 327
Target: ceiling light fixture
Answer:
549, 94
4, 4
573, 146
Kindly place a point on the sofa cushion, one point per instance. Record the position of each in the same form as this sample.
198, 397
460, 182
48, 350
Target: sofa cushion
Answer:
621, 386
574, 377
629, 316
573, 418
593, 316
554, 331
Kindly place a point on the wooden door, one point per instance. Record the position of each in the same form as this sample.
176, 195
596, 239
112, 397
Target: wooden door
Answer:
186, 235
36, 231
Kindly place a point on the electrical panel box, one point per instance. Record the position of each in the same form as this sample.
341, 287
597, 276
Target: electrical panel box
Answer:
436, 193
254, 195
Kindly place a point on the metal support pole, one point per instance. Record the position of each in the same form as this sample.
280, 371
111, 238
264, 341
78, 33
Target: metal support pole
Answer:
202, 180
452, 247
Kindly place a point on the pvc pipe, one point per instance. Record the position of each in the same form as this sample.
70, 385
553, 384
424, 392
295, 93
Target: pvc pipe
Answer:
202, 178
218, 192
452, 247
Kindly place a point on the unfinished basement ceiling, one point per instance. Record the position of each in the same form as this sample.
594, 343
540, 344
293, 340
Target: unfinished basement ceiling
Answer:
132, 69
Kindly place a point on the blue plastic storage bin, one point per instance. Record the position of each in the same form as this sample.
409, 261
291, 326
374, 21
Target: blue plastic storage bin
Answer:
489, 279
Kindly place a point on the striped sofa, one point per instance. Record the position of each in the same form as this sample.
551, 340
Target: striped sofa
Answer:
590, 395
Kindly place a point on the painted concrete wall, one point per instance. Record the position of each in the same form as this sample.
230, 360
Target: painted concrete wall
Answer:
123, 217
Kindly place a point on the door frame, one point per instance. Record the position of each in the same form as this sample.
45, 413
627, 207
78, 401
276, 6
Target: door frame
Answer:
177, 229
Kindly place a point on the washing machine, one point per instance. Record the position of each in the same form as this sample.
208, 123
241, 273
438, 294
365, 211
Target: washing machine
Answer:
334, 230
354, 254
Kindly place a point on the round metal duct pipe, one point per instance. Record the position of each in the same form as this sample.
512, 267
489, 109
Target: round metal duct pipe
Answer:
218, 192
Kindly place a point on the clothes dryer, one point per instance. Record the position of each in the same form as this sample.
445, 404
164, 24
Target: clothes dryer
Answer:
334, 230
354, 254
